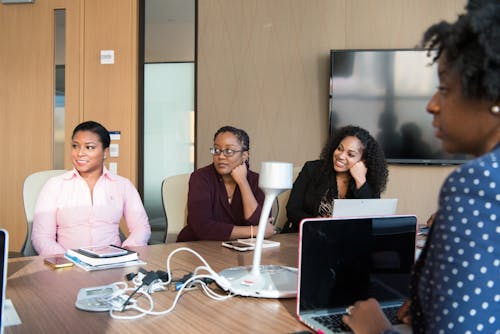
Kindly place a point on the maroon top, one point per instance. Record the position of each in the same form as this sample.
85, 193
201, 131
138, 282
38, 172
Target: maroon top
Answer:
210, 216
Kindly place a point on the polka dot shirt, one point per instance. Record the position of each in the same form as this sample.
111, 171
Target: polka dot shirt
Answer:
456, 282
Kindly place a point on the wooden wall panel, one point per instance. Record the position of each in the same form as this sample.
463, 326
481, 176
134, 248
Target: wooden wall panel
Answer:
264, 66
93, 91
417, 188
110, 90
26, 105
394, 23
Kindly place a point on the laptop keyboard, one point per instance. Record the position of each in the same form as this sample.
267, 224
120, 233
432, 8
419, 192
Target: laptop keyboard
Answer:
335, 324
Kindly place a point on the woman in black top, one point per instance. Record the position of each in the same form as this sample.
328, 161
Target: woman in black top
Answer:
351, 165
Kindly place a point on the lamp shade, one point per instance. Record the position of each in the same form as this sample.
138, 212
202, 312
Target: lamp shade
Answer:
276, 175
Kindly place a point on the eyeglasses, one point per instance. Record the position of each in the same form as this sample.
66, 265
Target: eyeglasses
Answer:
227, 152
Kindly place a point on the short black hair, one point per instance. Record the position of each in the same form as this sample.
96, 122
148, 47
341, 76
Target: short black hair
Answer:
471, 47
373, 155
96, 128
239, 133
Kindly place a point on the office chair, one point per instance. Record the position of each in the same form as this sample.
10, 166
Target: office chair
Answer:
282, 199
174, 193
31, 188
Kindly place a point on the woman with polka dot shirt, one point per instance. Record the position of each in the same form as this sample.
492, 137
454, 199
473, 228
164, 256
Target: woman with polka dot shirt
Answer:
455, 285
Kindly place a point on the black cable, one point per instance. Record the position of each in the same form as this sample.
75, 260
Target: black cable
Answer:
129, 297
150, 277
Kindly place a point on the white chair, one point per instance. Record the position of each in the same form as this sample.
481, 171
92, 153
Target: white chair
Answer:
31, 188
283, 200
174, 194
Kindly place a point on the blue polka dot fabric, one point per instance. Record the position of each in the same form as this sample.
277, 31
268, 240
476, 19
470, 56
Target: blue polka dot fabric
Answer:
456, 282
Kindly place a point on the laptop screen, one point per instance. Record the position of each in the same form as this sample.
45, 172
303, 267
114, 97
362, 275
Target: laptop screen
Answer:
343, 260
364, 207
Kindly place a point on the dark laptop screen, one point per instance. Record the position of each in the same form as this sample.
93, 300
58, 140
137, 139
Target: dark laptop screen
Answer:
3, 271
345, 260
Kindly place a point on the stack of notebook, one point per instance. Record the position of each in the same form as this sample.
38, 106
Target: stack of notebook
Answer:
103, 257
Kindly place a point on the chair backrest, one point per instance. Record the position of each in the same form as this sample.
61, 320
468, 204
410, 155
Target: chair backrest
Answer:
283, 200
31, 188
174, 194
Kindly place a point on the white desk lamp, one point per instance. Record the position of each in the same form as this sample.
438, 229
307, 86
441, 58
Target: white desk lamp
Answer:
266, 281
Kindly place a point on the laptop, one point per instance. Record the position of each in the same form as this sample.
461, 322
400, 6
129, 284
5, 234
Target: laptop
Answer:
364, 207
4, 254
343, 260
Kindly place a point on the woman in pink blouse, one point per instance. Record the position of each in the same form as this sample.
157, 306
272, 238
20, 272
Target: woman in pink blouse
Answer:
84, 206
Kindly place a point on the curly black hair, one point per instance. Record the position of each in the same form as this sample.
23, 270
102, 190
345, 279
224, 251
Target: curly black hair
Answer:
373, 156
471, 47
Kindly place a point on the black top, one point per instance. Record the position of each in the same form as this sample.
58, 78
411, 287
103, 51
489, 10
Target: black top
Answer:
309, 188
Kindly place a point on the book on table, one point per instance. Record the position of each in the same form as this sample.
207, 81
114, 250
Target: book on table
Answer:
88, 267
99, 258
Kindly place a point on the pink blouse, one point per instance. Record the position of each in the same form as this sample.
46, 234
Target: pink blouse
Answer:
66, 216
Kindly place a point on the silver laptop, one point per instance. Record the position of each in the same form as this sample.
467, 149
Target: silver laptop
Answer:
364, 207
343, 260
4, 254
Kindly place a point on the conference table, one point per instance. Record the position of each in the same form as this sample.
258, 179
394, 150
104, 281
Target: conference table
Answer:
45, 298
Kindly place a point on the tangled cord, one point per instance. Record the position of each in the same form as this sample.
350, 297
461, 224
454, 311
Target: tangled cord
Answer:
146, 283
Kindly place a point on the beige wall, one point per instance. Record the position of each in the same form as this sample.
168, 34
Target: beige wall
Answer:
110, 91
26, 99
263, 65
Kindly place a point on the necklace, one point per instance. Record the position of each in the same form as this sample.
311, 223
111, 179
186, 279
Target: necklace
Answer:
342, 185
230, 192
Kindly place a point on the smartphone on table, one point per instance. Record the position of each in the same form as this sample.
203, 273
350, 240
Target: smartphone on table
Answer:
57, 262
239, 246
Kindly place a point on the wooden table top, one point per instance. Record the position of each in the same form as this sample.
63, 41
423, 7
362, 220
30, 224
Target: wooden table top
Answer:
45, 299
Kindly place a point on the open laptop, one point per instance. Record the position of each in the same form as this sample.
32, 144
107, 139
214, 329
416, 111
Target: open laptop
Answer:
343, 260
364, 207
4, 254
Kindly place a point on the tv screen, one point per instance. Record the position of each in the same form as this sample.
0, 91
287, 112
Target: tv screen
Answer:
386, 92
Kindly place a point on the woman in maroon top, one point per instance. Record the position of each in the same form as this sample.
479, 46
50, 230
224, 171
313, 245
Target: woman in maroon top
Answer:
224, 199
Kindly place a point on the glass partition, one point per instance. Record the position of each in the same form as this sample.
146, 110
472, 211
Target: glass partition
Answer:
169, 101
59, 88
168, 130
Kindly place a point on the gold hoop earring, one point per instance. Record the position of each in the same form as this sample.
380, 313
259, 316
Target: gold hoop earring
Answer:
495, 110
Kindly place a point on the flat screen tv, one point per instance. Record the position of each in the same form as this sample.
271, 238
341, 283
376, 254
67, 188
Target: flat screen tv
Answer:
386, 92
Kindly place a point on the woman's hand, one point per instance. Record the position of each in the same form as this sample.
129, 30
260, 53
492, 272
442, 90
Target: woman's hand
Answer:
358, 172
239, 173
431, 219
269, 231
366, 317
404, 313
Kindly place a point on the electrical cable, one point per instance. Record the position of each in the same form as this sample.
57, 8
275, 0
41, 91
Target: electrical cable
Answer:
147, 283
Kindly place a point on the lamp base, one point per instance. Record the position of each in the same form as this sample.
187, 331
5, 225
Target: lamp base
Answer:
273, 282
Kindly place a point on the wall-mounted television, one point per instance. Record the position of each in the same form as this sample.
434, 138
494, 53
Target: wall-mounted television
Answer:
386, 92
